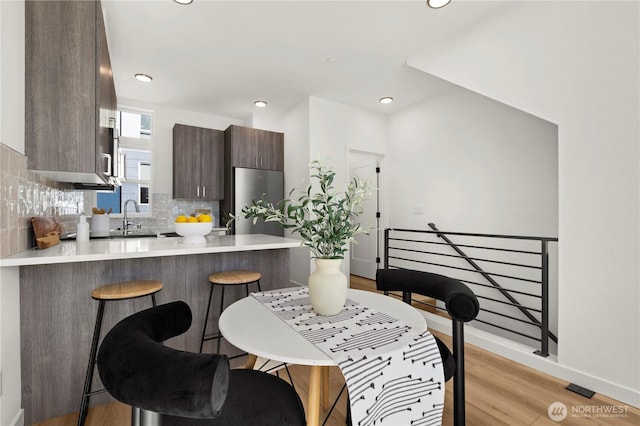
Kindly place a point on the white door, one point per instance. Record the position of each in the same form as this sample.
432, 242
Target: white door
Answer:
364, 249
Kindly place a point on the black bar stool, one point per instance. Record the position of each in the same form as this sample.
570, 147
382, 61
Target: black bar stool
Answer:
224, 279
111, 292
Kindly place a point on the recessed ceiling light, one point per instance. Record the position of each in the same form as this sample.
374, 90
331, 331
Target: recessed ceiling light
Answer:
437, 4
183, 1
144, 78
260, 104
386, 100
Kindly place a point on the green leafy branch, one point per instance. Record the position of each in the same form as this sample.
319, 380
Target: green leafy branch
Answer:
326, 220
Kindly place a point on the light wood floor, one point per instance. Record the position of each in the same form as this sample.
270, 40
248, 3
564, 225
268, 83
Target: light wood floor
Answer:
498, 392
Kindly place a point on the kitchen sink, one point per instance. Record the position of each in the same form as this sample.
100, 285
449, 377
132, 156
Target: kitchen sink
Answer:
136, 233
130, 234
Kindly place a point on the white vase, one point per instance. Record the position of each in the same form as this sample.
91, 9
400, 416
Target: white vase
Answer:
327, 287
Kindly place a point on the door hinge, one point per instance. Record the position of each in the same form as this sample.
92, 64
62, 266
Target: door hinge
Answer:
377, 260
378, 215
377, 169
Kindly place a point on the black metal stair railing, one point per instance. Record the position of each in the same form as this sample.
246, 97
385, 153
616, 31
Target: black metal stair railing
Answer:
416, 249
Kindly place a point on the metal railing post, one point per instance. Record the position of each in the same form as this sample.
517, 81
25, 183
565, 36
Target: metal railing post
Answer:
544, 344
386, 252
386, 248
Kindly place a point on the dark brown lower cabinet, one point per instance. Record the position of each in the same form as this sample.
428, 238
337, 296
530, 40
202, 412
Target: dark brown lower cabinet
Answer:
57, 316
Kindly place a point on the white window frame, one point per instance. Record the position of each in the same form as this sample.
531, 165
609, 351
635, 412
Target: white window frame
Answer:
139, 144
140, 186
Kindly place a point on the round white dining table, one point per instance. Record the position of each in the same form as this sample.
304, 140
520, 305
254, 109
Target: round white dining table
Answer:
250, 326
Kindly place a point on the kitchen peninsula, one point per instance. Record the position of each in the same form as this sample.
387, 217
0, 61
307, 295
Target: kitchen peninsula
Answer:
57, 314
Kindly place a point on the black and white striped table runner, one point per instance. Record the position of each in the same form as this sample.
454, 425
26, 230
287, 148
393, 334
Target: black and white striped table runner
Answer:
393, 374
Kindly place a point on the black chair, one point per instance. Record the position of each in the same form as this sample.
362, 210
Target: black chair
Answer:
173, 387
461, 304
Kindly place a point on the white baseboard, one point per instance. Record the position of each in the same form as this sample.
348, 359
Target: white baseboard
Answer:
18, 420
524, 355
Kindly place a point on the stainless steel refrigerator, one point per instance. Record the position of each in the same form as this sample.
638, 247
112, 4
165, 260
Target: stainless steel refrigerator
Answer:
250, 185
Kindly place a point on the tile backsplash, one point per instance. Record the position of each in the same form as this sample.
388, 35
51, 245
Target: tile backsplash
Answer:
25, 194
165, 210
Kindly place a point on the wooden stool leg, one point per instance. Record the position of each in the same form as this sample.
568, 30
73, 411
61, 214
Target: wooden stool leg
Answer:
250, 362
206, 318
313, 405
325, 388
220, 313
86, 393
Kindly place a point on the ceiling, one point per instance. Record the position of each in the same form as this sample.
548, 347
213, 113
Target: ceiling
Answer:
217, 57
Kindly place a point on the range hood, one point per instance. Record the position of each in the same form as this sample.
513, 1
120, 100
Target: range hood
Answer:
94, 186
82, 181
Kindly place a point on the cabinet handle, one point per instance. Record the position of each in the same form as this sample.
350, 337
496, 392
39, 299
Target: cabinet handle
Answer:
204, 192
197, 192
107, 171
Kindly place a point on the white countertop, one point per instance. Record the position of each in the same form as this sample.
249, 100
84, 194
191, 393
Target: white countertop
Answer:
127, 248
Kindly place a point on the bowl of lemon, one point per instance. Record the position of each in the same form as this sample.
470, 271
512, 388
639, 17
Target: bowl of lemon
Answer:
193, 229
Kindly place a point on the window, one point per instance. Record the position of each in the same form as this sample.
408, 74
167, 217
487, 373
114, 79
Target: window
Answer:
144, 174
137, 178
136, 145
133, 125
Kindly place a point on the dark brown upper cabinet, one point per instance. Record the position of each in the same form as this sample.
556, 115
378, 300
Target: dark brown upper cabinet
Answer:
250, 148
198, 163
254, 148
70, 98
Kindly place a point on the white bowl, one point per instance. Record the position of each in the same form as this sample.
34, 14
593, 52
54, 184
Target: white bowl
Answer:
194, 233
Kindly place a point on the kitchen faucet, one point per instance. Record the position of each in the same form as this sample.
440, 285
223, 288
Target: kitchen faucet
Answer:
125, 222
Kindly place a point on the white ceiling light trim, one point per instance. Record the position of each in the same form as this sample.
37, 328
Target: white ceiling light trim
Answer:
437, 4
386, 100
260, 104
183, 1
144, 78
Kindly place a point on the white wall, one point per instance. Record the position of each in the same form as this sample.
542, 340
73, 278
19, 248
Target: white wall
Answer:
295, 126
10, 401
576, 64
12, 76
12, 135
319, 129
265, 120
471, 164
163, 121
335, 128
2, 50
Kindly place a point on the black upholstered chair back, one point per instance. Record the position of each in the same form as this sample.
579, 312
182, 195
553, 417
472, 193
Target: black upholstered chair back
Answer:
461, 304
132, 363
177, 388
